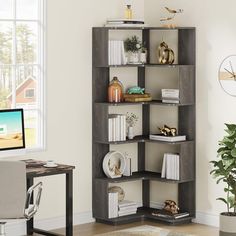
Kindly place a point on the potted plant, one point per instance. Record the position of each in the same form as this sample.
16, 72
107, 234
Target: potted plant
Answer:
132, 47
131, 120
225, 171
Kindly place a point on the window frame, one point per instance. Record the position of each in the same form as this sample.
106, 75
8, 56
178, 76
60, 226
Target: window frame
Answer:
41, 66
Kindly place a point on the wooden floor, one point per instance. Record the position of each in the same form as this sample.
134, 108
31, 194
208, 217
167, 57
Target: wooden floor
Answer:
96, 228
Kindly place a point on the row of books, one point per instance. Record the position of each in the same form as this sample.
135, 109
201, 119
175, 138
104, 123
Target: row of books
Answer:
116, 52
119, 22
116, 127
170, 166
123, 208
170, 95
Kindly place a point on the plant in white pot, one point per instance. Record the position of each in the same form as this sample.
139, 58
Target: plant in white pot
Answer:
225, 171
133, 47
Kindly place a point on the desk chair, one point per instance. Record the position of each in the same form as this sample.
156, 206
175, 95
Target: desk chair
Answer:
15, 202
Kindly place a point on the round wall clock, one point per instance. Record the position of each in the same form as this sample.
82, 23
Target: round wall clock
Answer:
227, 75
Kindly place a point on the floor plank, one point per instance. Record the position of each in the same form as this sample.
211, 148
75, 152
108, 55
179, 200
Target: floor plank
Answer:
97, 228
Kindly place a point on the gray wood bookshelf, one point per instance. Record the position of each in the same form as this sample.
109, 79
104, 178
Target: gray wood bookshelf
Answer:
186, 125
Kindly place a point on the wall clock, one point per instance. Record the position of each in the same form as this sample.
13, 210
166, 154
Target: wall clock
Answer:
227, 75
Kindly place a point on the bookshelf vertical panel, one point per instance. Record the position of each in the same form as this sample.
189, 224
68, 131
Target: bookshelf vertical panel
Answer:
186, 121
100, 199
187, 84
186, 197
146, 42
187, 163
146, 193
100, 46
100, 133
187, 46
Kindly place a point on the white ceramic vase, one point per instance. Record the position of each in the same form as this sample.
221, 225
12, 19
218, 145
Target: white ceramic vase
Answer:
143, 57
133, 57
227, 225
130, 132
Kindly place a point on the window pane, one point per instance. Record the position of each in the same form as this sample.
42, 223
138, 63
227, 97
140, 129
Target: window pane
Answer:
31, 128
27, 9
5, 43
27, 34
6, 9
26, 81
5, 86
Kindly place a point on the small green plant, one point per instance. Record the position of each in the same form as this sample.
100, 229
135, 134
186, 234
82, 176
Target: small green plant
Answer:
225, 168
131, 119
132, 44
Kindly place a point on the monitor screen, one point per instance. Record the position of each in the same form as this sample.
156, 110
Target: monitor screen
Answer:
12, 135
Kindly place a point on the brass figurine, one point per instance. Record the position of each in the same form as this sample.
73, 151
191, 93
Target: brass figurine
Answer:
165, 54
167, 131
171, 207
173, 13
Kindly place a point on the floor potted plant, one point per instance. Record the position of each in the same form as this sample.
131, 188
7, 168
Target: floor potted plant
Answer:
225, 171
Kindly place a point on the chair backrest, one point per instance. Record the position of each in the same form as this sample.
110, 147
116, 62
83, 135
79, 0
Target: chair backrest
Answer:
12, 189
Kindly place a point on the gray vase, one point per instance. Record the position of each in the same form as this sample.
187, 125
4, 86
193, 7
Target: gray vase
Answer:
227, 225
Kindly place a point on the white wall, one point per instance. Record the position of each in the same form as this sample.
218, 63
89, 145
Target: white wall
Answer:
69, 96
216, 35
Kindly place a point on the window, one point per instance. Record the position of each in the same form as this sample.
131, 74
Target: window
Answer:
29, 93
22, 69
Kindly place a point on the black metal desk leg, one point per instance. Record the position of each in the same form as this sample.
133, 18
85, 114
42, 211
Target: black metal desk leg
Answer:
69, 203
30, 223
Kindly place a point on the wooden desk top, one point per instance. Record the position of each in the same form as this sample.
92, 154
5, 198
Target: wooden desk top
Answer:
35, 168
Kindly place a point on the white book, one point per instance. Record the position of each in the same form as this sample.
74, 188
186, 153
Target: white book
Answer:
127, 171
163, 138
126, 203
177, 167
170, 101
129, 208
126, 25
113, 129
174, 167
112, 53
120, 51
170, 92
110, 138
117, 128
163, 171
168, 167
124, 60
124, 127
112, 205
127, 213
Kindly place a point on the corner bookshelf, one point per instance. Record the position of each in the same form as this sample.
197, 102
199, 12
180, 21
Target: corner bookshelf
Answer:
186, 125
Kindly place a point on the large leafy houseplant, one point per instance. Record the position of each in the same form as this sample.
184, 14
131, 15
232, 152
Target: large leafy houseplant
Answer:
225, 168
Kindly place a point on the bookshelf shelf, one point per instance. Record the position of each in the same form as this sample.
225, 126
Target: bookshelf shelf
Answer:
144, 175
143, 139
186, 109
153, 102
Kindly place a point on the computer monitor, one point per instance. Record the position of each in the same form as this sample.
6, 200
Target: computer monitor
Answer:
12, 133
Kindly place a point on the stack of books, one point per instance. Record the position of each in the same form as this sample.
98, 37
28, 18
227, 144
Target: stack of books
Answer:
137, 97
170, 166
125, 23
161, 137
170, 95
167, 215
116, 53
126, 207
112, 205
116, 127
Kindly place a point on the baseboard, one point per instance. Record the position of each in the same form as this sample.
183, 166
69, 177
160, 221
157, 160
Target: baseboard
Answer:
207, 219
18, 228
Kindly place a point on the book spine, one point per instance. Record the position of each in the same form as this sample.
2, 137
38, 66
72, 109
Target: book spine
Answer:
163, 171
110, 130
112, 205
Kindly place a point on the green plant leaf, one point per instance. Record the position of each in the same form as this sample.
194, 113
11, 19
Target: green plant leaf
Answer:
233, 152
222, 199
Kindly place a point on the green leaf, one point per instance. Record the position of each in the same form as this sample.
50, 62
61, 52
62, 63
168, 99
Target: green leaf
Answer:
231, 127
222, 199
233, 152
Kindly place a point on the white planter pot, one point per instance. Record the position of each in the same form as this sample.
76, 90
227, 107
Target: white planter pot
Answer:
130, 132
143, 58
227, 225
133, 57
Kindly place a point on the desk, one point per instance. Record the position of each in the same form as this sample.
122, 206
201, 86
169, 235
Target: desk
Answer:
36, 169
